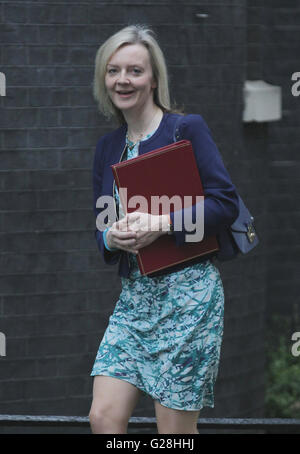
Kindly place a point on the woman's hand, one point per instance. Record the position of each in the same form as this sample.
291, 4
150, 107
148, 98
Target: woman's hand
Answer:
120, 236
148, 227
136, 230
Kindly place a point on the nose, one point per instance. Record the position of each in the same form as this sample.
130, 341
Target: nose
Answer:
122, 79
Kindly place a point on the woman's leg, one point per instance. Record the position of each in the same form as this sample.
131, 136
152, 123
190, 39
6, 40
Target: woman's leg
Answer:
113, 403
170, 421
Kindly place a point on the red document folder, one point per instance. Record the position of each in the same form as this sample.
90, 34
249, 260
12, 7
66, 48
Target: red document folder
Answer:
170, 170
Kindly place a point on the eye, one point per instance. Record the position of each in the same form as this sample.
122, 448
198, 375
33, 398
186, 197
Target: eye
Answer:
111, 71
137, 71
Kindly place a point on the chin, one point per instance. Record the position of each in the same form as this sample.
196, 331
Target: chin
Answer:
126, 107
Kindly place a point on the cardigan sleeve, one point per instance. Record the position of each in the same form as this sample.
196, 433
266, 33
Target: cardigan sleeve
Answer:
220, 196
110, 257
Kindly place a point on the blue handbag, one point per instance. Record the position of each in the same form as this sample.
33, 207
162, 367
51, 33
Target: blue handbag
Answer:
241, 236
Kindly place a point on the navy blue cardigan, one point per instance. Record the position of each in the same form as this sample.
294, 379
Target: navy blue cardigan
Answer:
221, 201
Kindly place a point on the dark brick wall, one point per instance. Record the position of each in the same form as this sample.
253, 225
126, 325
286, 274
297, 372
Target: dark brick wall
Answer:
56, 294
281, 60
273, 55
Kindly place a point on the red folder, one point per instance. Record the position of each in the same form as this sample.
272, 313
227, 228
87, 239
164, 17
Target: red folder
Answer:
170, 170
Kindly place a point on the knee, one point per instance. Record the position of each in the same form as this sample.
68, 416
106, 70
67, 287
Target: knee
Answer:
106, 422
97, 419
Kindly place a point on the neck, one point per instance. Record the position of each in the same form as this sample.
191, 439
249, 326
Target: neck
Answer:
139, 121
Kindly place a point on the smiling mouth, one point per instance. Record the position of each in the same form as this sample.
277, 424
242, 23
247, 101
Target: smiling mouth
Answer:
124, 93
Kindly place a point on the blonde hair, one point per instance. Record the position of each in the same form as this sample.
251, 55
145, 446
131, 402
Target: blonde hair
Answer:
132, 34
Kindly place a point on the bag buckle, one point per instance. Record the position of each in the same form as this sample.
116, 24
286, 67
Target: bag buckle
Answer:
251, 233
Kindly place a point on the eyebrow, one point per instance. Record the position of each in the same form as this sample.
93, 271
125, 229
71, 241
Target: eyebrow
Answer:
137, 64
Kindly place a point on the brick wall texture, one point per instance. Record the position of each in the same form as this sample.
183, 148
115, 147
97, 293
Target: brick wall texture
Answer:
56, 294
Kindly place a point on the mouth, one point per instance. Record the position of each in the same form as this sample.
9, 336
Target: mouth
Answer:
124, 94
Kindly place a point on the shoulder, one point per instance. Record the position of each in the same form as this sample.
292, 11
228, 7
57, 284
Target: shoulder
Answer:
184, 123
193, 126
188, 122
193, 121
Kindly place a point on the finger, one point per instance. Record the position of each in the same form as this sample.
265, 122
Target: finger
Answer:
123, 225
125, 235
120, 225
129, 243
134, 217
125, 243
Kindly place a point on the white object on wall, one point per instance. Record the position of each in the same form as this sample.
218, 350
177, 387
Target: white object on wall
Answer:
262, 101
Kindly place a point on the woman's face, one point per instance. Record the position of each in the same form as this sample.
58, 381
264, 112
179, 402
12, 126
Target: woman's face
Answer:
129, 79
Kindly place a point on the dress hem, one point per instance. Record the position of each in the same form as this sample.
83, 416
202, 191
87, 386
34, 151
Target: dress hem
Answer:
93, 374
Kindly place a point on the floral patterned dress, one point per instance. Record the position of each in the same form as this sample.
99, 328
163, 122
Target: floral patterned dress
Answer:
165, 333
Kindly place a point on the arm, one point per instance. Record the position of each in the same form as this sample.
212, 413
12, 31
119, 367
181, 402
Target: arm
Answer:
221, 200
110, 257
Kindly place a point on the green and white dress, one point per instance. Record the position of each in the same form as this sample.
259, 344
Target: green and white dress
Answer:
165, 333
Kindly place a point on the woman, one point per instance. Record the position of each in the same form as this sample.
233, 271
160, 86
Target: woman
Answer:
164, 336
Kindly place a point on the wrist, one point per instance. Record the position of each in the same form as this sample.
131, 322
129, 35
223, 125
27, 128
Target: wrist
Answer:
106, 237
